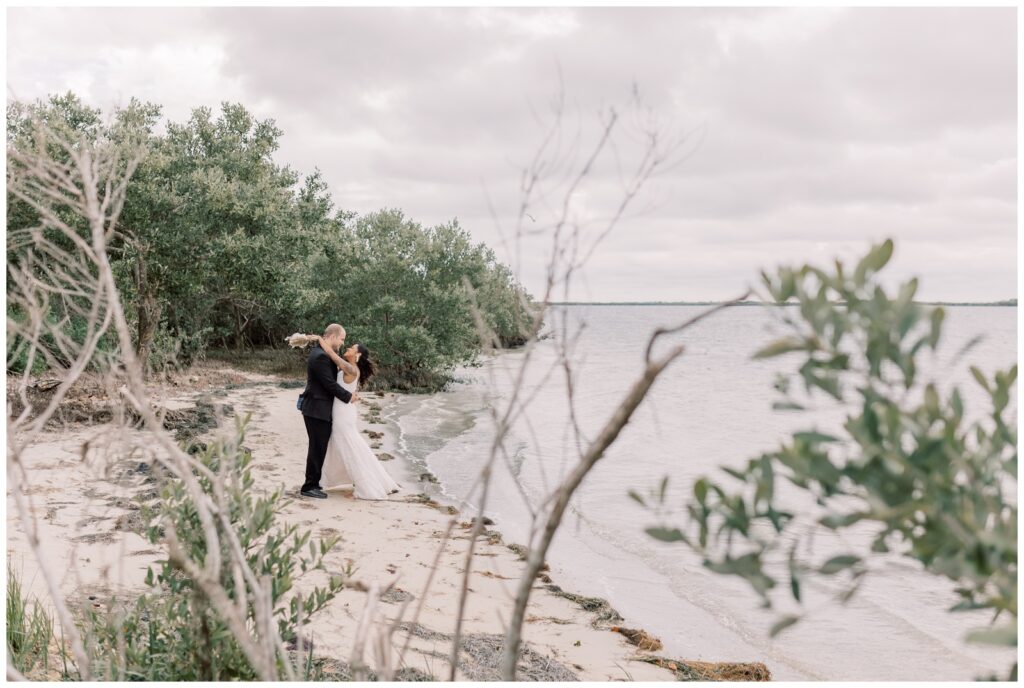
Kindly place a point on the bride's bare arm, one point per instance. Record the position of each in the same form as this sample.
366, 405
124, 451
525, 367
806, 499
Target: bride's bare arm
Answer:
338, 360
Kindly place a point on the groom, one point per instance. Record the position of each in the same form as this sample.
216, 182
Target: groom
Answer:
317, 402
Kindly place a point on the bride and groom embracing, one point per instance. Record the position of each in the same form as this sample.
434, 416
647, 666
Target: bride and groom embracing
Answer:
338, 454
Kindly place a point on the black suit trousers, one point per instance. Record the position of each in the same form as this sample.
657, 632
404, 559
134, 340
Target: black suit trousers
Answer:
319, 432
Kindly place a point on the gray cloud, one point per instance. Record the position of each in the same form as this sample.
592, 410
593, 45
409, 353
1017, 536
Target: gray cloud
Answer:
813, 131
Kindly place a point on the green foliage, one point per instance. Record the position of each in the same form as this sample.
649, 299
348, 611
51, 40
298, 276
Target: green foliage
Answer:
29, 632
218, 245
171, 632
406, 292
929, 485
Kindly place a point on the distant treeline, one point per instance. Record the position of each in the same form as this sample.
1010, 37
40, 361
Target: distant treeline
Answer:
219, 246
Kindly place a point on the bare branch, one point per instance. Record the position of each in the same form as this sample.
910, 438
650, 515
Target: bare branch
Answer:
63, 264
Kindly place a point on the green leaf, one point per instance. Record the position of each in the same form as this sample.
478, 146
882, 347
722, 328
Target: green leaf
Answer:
700, 490
874, 261
966, 605
957, 404
782, 624
782, 346
827, 383
980, 377
814, 437
938, 315
794, 574
787, 284
739, 475
906, 295
838, 563
835, 521
665, 534
931, 400
879, 256
1006, 636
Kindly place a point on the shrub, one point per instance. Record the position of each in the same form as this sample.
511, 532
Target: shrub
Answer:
171, 632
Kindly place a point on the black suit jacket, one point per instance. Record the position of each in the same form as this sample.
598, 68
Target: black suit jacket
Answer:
322, 386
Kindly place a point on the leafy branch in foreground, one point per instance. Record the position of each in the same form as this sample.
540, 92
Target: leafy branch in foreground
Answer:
173, 632
909, 468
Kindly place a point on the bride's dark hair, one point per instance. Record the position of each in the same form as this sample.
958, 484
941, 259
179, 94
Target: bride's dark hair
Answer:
366, 369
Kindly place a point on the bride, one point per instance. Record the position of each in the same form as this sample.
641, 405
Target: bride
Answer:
349, 459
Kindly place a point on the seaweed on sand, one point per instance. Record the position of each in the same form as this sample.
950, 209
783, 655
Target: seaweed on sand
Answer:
413, 674
481, 657
395, 595
190, 423
639, 637
325, 669
686, 670
130, 522
603, 612
423, 498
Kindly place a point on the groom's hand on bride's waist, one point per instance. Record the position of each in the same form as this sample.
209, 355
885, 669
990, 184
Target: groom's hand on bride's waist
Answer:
355, 398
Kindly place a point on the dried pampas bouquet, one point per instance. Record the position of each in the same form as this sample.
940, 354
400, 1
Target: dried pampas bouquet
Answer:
300, 341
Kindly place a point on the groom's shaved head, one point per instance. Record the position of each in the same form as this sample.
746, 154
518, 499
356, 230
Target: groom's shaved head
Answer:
334, 330
334, 336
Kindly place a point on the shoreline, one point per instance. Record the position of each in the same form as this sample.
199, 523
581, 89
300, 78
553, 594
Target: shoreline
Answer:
592, 568
82, 504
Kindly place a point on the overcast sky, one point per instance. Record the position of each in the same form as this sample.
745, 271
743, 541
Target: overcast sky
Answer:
810, 132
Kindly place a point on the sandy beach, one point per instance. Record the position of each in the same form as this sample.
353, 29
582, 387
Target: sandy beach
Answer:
85, 506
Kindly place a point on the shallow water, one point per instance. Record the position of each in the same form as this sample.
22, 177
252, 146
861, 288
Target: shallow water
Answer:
712, 408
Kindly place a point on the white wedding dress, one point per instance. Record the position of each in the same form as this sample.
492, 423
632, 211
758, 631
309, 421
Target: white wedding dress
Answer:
349, 459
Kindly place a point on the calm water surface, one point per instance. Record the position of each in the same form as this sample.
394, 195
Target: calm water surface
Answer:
712, 408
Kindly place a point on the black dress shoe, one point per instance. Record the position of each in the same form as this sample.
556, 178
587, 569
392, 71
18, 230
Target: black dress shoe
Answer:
315, 492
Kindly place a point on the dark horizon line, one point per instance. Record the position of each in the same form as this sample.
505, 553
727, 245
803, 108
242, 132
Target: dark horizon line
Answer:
1004, 303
